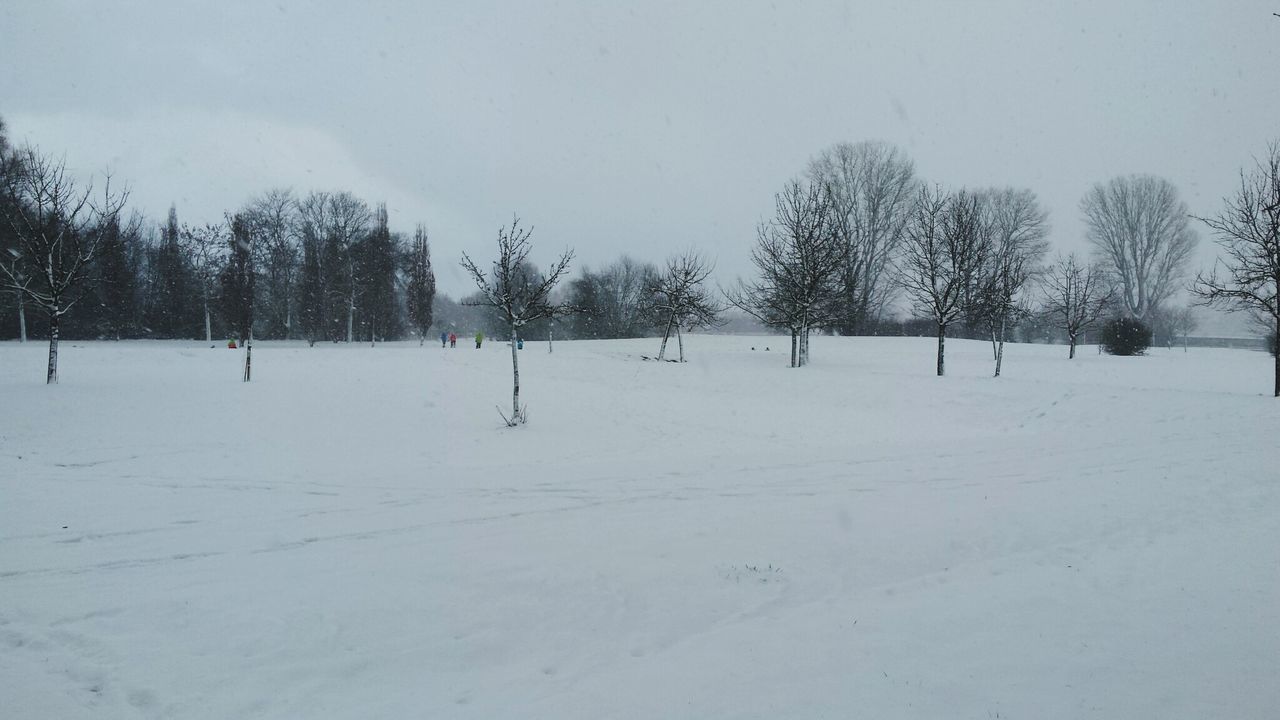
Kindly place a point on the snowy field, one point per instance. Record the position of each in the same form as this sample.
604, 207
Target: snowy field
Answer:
354, 535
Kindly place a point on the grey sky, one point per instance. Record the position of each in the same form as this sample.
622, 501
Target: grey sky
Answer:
644, 129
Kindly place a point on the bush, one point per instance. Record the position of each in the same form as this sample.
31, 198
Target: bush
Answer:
1125, 336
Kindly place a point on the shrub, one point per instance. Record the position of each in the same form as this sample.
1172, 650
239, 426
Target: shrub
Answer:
1125, 336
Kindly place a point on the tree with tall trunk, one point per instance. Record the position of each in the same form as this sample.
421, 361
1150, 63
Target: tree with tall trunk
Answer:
1019, 228
58, 228
948, 242
871, 186
205, 247
1140, 233
518, 295
273, 217
1247, 277
349, 217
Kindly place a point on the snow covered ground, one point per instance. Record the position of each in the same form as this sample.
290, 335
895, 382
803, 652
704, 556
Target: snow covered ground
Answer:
354, 535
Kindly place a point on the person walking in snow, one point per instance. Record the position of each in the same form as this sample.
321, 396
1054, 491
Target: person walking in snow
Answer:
479, 339
444, 339
453, 340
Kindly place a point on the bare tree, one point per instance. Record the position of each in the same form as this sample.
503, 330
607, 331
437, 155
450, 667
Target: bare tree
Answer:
58, 230
273, 216
871, 186
1182, 321
1018, 226
519, 296
1139, 229
1075, 296
205, 247
349, 217
1248, 233
948, 243
614, 301
680, 296
800, 256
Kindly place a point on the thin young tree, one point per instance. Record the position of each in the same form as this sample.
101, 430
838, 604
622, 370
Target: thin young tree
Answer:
1182, 321
681, 298
1247, 276
1019, 227
1140, 232
947, 245
420, 291
58, 229
517, 295
1076, 296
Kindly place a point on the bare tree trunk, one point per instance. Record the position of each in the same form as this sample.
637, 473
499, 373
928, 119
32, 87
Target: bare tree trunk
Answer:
551, 333
1073, 348
995, 351
680, 342
662, 351
942, 348
51, 377
515, 379
1000, 349
248, 357
1277, 356
22, 318
351, 316
208, 326
795, 358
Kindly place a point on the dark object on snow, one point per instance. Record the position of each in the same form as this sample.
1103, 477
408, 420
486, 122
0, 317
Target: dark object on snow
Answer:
1125, 336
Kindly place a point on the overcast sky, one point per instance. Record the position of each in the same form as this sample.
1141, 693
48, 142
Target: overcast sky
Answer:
645, 129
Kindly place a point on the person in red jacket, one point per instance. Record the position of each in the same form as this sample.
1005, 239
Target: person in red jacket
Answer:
453, 340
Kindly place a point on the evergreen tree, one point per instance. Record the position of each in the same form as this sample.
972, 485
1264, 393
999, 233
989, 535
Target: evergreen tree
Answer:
118, 280
421, 290
376, 278
170, 310
237, 280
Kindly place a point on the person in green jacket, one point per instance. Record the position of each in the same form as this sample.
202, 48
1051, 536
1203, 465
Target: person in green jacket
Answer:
479, 339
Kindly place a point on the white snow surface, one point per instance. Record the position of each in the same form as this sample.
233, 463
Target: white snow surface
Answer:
355, 535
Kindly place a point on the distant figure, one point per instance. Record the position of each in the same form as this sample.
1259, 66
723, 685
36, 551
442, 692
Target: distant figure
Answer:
444, 339
231, 344
453, 340
520, 343
479, 339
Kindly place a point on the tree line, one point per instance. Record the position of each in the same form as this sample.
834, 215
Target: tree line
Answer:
852, 239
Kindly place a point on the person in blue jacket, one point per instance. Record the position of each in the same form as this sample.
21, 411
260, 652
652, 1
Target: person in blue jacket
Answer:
444, 339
